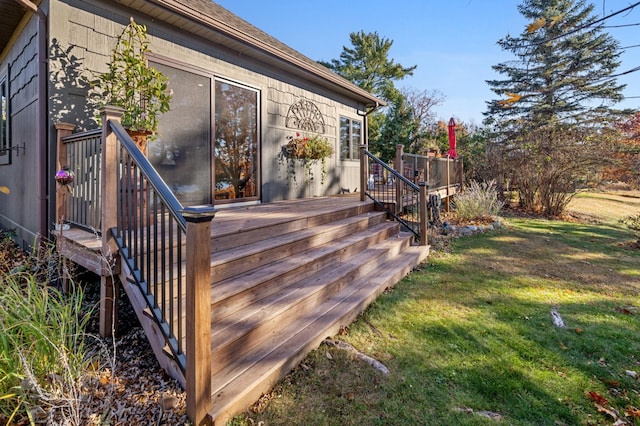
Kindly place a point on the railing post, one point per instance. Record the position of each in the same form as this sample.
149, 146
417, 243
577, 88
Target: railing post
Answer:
63, 129
364, 171
198, 304
109, 217
399, 166
423, 213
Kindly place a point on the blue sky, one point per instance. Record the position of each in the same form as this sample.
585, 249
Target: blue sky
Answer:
452, 42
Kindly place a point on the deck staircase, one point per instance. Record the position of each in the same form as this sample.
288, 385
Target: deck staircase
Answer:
286, 276
281, 276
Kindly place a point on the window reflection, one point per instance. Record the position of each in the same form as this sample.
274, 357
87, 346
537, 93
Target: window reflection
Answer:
236, 142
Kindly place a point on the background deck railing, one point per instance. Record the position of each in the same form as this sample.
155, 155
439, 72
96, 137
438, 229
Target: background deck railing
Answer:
80, 204
398, 188
439, 172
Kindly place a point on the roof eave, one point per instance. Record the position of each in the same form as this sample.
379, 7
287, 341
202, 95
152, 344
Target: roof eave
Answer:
319, 71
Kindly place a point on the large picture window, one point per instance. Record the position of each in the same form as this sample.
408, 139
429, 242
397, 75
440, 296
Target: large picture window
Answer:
208, 144
5, 143
350, 138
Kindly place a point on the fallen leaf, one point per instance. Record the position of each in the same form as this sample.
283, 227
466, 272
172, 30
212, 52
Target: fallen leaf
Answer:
625, 311
5, 190
329, 355
632, 411
562, 346
597, 398
620, 422
610, 382
579, 330
608, 411
631, 373
169, 402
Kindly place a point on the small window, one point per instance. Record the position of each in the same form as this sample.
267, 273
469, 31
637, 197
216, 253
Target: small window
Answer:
350, 138
4, 122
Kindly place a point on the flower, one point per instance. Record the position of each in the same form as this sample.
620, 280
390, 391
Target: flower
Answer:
309, 147
310, 150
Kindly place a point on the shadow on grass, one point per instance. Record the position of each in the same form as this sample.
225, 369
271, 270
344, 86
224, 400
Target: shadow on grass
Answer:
474, 328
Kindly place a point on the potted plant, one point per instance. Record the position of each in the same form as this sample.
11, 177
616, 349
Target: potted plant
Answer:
131, 83
308, 150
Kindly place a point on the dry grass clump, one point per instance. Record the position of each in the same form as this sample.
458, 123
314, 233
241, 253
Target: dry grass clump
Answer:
478, 201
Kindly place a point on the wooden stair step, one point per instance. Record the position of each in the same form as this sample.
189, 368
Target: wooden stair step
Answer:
243, 383
238, 260
272, 221
250, 327
241, 290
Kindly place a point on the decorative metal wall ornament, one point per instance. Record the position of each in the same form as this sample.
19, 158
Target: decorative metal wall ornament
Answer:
305, 115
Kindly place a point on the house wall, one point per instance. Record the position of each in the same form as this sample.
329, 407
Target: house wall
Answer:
82, 34
20, 208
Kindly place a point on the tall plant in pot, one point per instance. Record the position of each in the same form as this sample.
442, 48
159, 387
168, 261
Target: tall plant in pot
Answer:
131, 83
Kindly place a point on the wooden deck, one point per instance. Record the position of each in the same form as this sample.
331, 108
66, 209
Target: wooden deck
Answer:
285, 276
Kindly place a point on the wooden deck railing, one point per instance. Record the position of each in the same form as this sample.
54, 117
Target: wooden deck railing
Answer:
80, 152
166, 250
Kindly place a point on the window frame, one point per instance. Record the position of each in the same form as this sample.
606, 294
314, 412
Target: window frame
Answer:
5, 111
348, 138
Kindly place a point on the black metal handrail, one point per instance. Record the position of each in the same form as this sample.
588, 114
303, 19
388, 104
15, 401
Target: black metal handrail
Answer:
83, 202
396, 194
151, 234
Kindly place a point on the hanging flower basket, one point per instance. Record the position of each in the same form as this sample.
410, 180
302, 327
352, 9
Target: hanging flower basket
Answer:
308, 150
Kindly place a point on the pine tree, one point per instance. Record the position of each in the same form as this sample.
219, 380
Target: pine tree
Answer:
564, 67
552, 125
367, 64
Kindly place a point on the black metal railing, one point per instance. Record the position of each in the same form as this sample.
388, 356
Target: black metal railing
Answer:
397, 195
151, 234
82, 153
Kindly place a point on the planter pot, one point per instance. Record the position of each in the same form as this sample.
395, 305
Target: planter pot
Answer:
139, 137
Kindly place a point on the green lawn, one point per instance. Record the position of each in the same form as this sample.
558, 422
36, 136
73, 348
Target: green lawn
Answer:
469, 338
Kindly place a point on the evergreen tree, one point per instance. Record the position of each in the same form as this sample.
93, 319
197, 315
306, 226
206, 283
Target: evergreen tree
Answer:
564, 66
367, 64
553, 122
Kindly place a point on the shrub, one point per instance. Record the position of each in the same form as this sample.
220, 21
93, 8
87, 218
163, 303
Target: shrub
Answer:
633, 223
479, 200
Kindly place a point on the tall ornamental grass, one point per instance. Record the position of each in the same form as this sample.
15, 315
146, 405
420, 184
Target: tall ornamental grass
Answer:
42, 350
478, 201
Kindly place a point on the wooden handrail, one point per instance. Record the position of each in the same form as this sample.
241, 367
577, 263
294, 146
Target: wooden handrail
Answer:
152, 231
